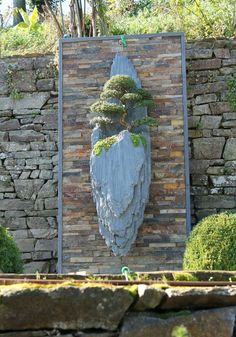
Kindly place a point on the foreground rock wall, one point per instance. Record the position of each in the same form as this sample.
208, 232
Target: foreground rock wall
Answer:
28, 157
139, 311
28, 145
212, 126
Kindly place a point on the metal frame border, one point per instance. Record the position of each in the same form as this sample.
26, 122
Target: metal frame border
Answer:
60, 163
186, 139
60, 124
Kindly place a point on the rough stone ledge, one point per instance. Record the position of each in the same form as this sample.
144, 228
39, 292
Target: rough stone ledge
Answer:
64, 307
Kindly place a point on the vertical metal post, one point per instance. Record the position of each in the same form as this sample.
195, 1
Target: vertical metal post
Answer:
186, 149
60, 145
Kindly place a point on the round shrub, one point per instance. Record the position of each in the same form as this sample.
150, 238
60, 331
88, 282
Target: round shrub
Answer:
10, 258
212, 244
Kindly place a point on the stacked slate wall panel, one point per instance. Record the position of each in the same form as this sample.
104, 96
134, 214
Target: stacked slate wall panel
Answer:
86, 66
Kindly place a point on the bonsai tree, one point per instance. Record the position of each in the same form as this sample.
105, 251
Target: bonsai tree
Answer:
118, 96
10, 259
111, 112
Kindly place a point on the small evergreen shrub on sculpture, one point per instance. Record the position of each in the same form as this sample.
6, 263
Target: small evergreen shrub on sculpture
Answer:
10, 259
212, 244
120, 94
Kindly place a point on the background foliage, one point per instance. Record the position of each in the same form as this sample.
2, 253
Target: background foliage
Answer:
197, 18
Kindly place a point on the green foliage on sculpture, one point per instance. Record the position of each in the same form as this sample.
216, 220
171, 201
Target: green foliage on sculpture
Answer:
212, 244
105, 144
10, 259
120, 94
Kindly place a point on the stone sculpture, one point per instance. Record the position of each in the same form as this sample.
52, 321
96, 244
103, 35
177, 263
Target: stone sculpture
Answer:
120, 166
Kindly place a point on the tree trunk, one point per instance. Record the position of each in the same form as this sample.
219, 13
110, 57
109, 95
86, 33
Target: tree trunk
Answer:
18, 4
94, 18
73, 26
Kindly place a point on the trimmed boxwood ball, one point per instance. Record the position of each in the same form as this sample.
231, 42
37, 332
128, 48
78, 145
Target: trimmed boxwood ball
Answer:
10, 258
212, 244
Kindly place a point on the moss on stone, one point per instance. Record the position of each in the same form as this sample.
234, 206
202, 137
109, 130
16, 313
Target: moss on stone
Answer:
137, 139
105, 144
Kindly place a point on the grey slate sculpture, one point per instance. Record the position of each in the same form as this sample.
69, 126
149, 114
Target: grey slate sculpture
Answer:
120, 165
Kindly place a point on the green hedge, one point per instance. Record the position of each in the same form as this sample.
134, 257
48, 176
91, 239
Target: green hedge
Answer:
212, 244
10, 257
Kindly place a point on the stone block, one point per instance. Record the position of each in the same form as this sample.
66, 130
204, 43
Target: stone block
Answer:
3, 136
43, 233
26, 245
199, 180
14, 222
25, 136
152, 325
37, 222
25, 80
11, 124
16, 204
193, 122
45, 84
204, 64
215, 201
229, 62
219, 108
51, 146
229, 124
24, 175
5, 113
48, 190
13, 146
198, 89
207, 98
14, 214
19, 234
223, 181
6, 103
34, 267
34, 174
216, 170
41, 256
229, 116
6, 186
51, 203
31, 101
27, 187
149, 297
26, 154
46, 174
222, 133
222, 53
210, 122
230, 191
208, 148
78, 308
46, 245
199, 53
203, 109
230, 149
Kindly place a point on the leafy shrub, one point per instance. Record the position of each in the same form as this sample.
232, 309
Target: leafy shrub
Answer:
25, 41
10, 259
212, 244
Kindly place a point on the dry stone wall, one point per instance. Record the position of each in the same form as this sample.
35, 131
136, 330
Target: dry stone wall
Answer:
28, 145
93, 311
28, 157
212, 126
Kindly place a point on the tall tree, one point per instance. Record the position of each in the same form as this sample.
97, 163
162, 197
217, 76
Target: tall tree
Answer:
17, 4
